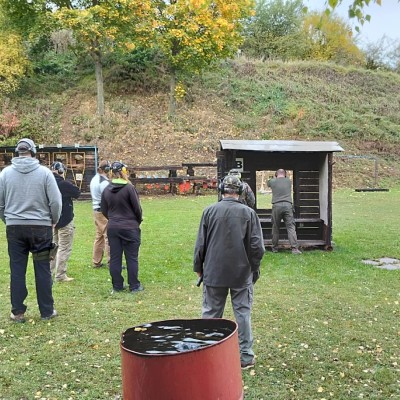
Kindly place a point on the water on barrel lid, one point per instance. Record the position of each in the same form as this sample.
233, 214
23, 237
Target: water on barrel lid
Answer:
172, 339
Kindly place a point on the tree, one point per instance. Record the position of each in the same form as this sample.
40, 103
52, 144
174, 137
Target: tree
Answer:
13, 60
383, 54
98, 26
356, 8
103, 26
275, 31
330, 39
192, 34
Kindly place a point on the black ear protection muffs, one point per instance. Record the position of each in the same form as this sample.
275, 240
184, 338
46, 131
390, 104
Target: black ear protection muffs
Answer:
58, 166
118, 166
107, 167
25, 145
236, 184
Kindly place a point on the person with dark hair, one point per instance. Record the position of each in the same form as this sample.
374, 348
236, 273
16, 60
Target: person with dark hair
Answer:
282, 208
227, 257
247, 195
30, 205
120, 204
64, 230
100, 246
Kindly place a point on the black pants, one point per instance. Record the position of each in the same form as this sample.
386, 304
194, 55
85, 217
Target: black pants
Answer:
127, 242
23, 239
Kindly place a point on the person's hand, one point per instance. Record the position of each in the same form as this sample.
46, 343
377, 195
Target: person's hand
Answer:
256, 276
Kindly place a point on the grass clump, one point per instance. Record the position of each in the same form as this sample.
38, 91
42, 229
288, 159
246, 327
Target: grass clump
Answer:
325, 324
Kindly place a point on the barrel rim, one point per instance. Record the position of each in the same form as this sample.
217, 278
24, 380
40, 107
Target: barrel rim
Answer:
182, 353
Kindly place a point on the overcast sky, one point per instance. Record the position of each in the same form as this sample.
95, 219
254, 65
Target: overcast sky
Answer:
385, 19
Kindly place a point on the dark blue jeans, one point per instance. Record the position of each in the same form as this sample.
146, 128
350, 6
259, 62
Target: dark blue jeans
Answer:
23, 239
127, 242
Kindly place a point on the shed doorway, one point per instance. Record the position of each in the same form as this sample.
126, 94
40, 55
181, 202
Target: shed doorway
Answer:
264, 193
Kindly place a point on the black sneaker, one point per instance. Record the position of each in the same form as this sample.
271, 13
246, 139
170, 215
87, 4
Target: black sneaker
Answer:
115, 290
248, 365
53, 315
140, 288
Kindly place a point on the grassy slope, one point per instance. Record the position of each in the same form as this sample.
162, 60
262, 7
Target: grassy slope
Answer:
243, 100
325, 324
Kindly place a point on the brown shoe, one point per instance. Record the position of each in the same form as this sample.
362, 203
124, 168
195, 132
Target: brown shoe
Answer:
18, 318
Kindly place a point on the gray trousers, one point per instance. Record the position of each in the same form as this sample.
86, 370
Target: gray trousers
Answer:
214, 299
283, 211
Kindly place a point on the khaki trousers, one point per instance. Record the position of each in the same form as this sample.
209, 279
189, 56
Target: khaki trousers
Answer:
100, 245
64, 237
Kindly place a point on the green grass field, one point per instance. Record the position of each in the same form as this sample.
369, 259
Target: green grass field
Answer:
326, 325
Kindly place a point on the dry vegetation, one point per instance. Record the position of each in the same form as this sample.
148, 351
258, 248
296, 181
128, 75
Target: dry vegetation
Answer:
242, 100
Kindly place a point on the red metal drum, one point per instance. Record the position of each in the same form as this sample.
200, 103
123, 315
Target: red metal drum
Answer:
195, 359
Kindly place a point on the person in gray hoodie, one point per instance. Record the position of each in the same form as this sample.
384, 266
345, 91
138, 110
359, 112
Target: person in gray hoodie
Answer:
30, 206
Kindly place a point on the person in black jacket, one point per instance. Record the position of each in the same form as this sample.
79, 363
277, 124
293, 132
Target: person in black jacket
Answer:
120, 204
63, 233
227, 255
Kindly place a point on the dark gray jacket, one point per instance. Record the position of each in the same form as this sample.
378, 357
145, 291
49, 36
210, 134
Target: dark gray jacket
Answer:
229, 245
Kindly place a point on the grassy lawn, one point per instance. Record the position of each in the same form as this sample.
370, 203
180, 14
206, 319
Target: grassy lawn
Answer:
326, 325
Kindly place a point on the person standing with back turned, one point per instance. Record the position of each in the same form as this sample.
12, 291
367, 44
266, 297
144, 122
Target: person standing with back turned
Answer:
282, 208
30, 205
65, 228
227, 254
100, 246
121, 206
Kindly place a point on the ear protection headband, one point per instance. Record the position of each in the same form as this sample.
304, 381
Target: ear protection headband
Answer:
26, 144
117, 166
58, 166
276, 173
107, 167
222, 187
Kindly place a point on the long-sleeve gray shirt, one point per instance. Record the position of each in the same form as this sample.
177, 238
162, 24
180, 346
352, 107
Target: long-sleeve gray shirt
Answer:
29, 194
229, 245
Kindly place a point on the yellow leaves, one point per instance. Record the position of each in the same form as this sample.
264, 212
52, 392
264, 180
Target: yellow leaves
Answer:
13, 61
330, 38
180, 91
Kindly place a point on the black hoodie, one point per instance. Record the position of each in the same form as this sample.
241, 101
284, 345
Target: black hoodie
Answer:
121, 206
68, 192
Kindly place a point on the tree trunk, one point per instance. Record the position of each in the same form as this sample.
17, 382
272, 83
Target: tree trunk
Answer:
98, 65
172, 98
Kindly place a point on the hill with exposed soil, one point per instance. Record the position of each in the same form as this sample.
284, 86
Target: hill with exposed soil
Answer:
242, 99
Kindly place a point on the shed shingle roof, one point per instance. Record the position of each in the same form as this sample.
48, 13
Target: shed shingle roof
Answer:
291, 146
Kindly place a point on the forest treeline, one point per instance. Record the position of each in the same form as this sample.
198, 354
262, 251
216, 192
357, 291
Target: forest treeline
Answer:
176, 39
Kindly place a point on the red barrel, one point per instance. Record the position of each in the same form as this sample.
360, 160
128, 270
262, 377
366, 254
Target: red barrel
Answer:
210, 371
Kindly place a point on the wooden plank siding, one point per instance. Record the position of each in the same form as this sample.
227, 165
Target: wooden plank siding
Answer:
80, 162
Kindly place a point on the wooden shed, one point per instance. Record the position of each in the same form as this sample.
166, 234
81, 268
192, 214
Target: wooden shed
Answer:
308, 164
80, 161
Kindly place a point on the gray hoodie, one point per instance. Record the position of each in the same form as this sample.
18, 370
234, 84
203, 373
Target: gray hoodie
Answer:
29, 194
